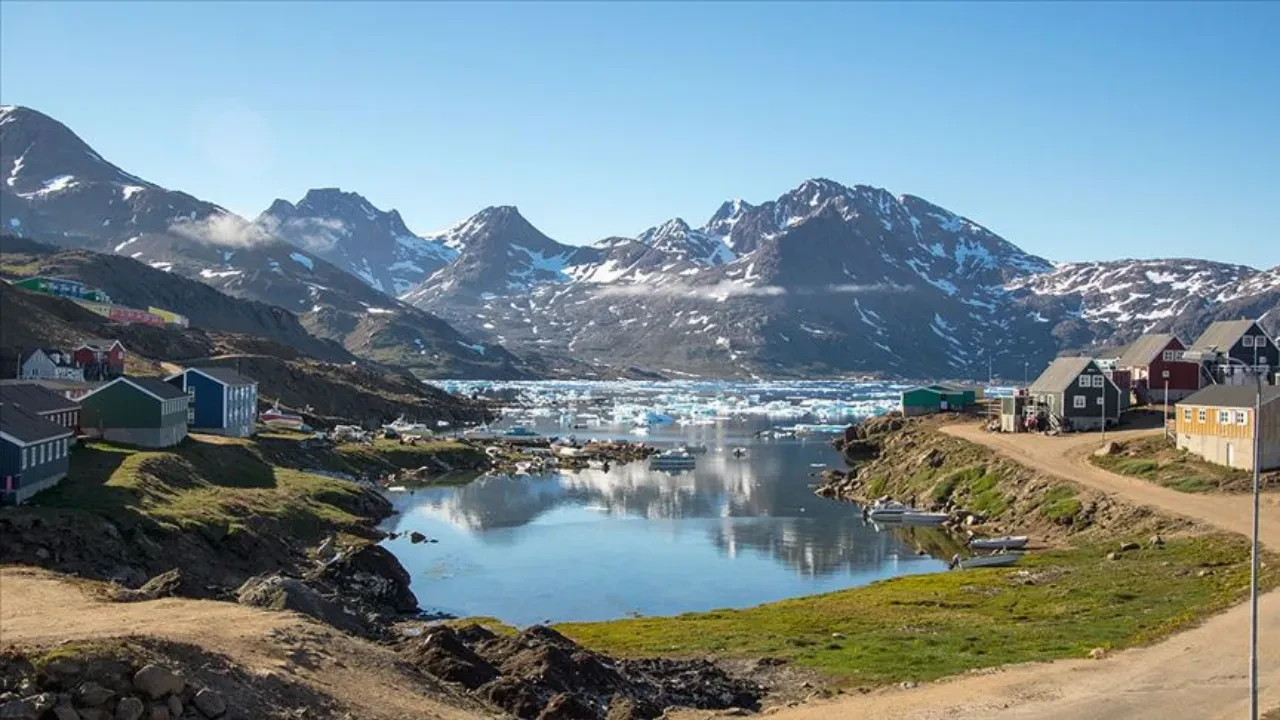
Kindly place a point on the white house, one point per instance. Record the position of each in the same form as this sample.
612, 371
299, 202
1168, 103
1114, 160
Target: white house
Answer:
47, 364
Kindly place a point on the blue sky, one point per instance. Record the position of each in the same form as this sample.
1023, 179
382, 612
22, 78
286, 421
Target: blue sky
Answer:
1077, 131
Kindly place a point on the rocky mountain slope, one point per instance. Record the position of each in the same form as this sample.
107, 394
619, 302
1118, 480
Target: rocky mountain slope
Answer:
348, 231
57, 189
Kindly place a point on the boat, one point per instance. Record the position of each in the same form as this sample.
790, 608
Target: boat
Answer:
882, 510
677, 459
1008, 542
739, 452
281, 418
979, 561
403, 427
919, 517
696, 449
519, 431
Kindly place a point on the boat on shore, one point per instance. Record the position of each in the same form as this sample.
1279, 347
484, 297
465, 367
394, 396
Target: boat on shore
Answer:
1001, 559
276, 417
919, 517
677, 459
1008, 542
405, 428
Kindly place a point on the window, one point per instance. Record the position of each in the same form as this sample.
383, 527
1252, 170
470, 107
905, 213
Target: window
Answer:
1247, 340
1085, 381
1099, 381
1260, 341
1203, 415
1186, 414
1242, 417
1080, 401
24, 458
1224, 417
1100, 399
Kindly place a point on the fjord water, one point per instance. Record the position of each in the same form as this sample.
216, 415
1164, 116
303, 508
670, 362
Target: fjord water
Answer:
596, 545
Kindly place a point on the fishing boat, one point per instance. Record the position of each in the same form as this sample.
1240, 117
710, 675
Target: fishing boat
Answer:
980, 561
677, 459
280, 418
1008, 542
919, 517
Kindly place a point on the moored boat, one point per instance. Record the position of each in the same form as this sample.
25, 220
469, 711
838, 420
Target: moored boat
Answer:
677, 459
981, 561
918, 517
1008, 542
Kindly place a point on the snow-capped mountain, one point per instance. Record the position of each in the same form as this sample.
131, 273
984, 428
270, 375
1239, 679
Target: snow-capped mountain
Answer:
348, 231
56, 189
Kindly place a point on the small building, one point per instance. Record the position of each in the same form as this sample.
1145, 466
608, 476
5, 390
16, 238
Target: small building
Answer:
222, 401
935, 398
143, 411
33, 453
39, 400
133, 316
1074, 394
1155, 362
100, 361
49, 364
1244, 341
1217, 424
170, 318
63, 287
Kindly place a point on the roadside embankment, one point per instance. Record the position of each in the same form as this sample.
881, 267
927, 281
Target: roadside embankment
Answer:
1156, 459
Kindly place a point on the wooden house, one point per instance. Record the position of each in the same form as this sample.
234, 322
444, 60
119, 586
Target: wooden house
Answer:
1244, 341
935, 398
100, 361
222, 401
49, 364
33, 453
1074, 394
1155, 363
1217, 424
143, 411
48, 404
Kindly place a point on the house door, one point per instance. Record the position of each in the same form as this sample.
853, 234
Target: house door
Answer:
1231, 455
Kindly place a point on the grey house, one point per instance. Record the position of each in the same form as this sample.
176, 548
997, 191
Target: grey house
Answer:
1075, 394
33, 453
1244, 341
49, 364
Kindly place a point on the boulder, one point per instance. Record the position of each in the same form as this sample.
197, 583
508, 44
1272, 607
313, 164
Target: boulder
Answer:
65, 712
443, 654
1126, 547
1113, 556
277, 592
1097, 653
91, 694
130, 708
209, 703
416, 537
1156, 541
156, 681
159, 712
567, 706
167, 584
1110, 448
374, 574
175, 707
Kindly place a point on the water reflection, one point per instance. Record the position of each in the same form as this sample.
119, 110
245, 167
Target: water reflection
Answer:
595, 545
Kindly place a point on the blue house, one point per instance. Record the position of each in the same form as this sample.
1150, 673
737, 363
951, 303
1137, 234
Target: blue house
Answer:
222, 401
33, 453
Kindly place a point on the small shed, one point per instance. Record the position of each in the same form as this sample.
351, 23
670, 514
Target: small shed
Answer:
929, 399
143, 411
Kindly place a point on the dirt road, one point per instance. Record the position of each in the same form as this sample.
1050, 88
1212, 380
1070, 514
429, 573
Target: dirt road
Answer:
40, 608
1200, 674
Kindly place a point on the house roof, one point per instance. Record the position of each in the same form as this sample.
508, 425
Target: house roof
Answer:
22, 427
1222, 335
155, 387
226, 376
1144, 350
1232, 396
50, 352
36, 398
100, 346
1060, 374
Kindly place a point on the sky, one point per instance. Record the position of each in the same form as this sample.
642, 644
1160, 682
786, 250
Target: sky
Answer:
1076, 131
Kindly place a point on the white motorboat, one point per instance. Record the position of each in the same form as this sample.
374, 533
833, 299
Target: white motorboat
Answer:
882, 510
919, 517
981, 561
677, 459
404, 427
1008, 542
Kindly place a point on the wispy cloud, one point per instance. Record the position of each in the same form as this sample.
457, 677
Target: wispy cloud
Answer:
223, 229
723, 290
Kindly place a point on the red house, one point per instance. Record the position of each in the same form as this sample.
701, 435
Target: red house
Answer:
100, 361
1155, 364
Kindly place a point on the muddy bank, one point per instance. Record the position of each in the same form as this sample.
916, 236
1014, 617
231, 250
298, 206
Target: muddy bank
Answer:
540, 673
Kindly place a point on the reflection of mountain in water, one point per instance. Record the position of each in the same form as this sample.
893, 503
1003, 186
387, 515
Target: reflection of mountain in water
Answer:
811, 547
722, 486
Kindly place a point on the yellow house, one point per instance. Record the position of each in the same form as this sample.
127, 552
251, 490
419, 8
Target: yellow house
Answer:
1216, 423
172, 318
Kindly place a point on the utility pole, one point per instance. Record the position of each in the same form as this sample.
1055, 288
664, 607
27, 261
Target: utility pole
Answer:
1104, 409
1166, 406
1253, 565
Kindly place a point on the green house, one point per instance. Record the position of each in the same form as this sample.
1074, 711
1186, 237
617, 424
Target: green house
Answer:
935, 398
142, 411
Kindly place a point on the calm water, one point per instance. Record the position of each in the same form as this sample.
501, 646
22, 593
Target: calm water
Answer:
593, 545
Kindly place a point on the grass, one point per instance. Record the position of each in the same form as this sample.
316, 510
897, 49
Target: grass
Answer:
1053, 605
975, 487
1060, 504
1157, 460
212, 486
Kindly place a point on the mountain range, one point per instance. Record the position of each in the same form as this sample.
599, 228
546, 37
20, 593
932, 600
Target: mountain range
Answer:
825, 279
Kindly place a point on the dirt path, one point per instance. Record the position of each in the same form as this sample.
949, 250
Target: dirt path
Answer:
40, 608
1202, 673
